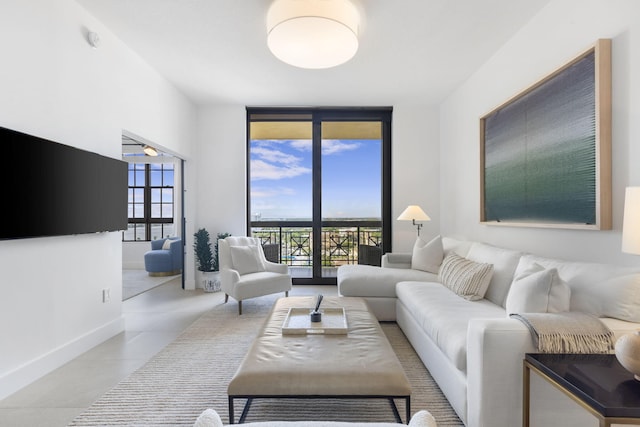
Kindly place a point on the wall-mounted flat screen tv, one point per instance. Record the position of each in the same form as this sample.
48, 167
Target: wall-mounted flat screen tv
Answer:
51, 189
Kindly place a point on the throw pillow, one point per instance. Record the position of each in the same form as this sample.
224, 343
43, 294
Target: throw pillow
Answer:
538, 290
166, 245
466, 278
427, 256
209, 418
246, 259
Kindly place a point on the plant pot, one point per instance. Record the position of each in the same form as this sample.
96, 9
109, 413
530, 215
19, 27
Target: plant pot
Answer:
209, 280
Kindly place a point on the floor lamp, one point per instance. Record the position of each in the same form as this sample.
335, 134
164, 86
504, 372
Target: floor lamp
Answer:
413, 213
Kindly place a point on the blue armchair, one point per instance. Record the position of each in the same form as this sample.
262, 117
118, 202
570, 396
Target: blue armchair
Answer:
164, 262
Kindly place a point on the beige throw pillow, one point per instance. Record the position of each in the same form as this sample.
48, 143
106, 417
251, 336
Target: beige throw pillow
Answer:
537, 290
246, 259
427, 256
466, 278
166, 245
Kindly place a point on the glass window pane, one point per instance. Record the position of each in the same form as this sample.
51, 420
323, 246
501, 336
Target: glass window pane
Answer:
168, 178
140, 178
155, 195
129, 233
168, 230
156, 210
156, 178
140, 231
138, 210
131, 178
130, 211
351, 173
167, 210
280, 169
156, 231
167, 195
130, 195
138, 195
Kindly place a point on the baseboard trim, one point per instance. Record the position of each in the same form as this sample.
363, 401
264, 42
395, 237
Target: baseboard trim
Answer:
31, 371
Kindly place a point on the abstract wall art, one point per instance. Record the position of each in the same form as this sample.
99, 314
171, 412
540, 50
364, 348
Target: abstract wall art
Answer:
546, 153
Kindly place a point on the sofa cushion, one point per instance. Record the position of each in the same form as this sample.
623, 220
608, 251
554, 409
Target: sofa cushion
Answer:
444, 316
427, 256
599, 289
371, 281
538, 290
504, 263
466, 278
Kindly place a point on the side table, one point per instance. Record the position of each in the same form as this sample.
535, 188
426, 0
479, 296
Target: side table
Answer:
597, 382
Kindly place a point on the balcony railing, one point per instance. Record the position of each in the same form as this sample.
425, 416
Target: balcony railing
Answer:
358, 244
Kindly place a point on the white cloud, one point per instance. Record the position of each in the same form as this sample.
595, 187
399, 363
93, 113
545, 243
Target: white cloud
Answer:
263, 170
275, 156
329, 146
270, 192
333, 146
301, 144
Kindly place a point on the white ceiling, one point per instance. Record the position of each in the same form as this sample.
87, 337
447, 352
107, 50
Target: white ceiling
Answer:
411, 51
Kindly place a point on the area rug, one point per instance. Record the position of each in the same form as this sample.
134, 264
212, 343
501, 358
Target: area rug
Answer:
192, 373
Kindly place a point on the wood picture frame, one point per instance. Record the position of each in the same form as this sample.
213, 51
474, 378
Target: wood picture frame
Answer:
545, 154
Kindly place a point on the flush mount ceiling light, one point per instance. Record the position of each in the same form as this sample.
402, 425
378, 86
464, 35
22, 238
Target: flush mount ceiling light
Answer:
313, 33
149, 150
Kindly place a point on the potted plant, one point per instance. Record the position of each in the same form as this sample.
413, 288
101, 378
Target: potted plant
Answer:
204, 260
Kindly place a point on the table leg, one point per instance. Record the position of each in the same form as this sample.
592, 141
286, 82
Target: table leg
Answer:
526, 396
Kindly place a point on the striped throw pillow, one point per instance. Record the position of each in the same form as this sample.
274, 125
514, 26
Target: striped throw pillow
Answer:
468, 279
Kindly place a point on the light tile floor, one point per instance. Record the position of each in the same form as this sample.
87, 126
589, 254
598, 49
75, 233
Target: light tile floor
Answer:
152, 320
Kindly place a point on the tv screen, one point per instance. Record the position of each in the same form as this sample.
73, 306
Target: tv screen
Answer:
52, 189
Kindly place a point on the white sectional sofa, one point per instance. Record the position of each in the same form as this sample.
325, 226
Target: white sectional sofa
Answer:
473, 349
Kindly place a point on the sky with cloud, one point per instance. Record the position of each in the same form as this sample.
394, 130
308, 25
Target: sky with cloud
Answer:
281, 179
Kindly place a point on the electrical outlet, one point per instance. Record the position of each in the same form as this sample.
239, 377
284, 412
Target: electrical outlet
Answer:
106, 295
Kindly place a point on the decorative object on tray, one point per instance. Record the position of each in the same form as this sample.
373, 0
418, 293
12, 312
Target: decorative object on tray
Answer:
628, 353
315, 315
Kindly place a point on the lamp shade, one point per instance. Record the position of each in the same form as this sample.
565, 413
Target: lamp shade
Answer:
313, 33
414, 213
631, 222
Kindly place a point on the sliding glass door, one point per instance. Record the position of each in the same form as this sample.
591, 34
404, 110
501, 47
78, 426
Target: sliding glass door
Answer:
319, 187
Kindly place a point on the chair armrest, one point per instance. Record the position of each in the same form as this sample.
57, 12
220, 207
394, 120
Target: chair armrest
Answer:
175, 247
276, 268
495, 350
228, 279
157, 244
396, 260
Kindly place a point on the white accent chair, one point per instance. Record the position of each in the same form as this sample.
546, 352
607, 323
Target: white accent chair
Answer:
246, 273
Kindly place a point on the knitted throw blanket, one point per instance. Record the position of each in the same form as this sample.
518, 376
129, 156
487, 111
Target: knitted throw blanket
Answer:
570, 332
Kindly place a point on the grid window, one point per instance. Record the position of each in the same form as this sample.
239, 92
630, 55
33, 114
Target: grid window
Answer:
150, 204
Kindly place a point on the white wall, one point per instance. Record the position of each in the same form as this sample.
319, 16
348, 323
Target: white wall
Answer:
221, 200
557, 34
54, 85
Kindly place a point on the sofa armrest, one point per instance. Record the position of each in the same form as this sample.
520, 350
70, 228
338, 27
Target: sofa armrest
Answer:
495, 351
396, 260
